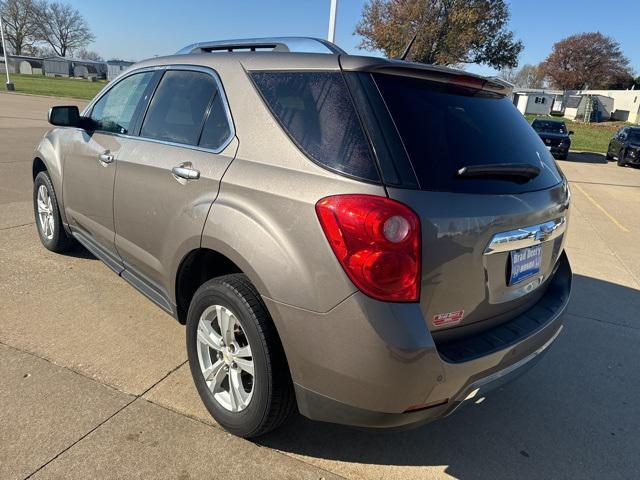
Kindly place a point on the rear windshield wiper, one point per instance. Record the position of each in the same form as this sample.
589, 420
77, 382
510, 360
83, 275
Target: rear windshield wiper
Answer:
518, 172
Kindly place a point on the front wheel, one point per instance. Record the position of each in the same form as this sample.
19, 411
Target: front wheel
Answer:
47, 212
622, 160
236, 358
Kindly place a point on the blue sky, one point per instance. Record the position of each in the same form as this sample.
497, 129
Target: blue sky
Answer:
137, 29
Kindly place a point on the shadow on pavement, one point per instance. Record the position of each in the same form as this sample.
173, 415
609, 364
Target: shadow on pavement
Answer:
586, 157
79, 251
574, 415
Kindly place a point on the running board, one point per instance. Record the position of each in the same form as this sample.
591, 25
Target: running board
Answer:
136, 280
147, 289
98, 251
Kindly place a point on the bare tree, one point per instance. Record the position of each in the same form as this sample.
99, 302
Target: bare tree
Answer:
64, 28
508, 74
587, 60
529, 76
21, 24
88, 55
448, 32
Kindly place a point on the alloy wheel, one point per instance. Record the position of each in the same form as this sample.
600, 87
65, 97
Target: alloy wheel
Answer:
45, 212
225, 358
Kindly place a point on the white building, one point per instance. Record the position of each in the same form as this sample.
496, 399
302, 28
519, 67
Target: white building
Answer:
589, 107
536, 101
623, 105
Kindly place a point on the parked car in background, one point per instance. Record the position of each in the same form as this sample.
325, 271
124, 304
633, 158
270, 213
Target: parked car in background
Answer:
373, 241
555, 136
625, 146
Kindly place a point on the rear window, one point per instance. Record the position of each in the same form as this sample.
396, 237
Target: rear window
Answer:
315, 109
445, 127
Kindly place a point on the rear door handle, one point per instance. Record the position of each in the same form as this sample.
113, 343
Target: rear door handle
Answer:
106, 157
186, 173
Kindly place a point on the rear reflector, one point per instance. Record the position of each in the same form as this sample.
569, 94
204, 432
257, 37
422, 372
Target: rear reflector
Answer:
377, 241
415, 408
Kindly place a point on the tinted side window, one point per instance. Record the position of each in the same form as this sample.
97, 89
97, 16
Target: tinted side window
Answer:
316, 111
177, 110
216, 128
114, 111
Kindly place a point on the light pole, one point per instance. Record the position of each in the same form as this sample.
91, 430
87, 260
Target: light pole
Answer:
10, 86
332, 21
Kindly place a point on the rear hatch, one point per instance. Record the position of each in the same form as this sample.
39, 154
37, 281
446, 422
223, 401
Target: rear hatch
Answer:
492, 201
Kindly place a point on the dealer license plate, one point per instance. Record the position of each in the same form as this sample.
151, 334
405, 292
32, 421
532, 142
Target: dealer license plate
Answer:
525, 263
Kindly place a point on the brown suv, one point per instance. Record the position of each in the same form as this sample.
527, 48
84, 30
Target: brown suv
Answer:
372, 241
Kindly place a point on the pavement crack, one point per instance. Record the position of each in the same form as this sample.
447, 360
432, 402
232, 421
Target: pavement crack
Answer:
80, 374
82, 437
134, 397
218, 427
599, 320
17, 226
162, 379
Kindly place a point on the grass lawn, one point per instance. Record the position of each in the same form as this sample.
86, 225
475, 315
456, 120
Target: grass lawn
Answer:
57, 87
590, 137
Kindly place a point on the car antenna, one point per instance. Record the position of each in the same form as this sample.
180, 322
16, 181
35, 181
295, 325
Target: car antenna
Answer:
408, 47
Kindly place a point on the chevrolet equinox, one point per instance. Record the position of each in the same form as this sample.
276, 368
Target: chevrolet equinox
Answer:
372, 242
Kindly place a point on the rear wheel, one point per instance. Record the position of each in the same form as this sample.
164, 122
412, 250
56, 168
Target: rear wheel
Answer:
47, 212
236, 359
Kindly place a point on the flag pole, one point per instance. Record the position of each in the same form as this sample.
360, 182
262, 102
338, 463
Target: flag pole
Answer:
332, 21
10, 86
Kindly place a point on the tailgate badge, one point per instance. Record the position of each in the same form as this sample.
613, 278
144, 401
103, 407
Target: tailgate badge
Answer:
450, 318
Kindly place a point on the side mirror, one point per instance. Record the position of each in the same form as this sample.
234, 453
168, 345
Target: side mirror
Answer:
571, 132
67, 116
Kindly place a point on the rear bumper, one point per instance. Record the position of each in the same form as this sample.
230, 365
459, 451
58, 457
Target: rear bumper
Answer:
319, 407
375, 365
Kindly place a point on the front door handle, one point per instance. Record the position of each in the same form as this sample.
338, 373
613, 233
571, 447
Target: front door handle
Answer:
186, 173
106, 157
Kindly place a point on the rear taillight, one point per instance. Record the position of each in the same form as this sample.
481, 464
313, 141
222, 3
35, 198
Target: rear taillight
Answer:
377, 241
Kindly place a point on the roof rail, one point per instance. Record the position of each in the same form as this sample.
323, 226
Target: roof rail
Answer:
274, 44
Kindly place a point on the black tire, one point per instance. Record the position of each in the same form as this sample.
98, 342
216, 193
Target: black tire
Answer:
58, 240
273, 399
622, 161
608, 156
563, 156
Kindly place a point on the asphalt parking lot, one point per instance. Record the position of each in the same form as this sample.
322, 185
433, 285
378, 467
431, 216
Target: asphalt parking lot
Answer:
94, 384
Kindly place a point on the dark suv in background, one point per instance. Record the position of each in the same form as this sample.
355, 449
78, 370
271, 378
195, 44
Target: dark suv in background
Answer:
555, 136
625, 146
372, 241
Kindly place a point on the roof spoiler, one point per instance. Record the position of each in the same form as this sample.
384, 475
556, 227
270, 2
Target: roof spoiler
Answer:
423, 71
272, 44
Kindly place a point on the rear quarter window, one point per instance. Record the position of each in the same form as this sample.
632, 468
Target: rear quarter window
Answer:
316, 111
445, 127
